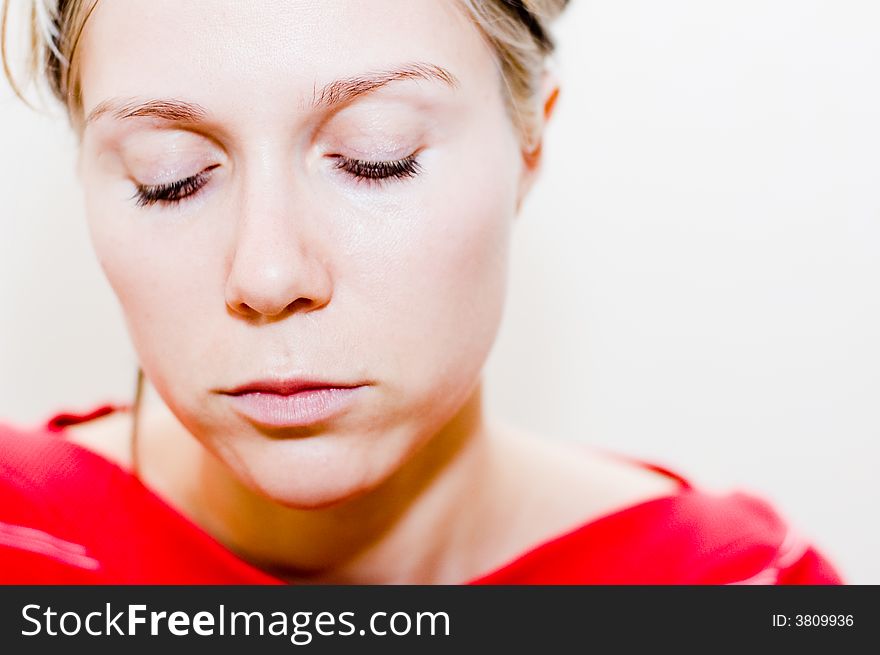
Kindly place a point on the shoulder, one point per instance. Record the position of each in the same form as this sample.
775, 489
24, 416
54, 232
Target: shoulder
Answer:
38, 460
49, 493
740, 538
697, 537
565, 483
42, 473
55, 458
32, 462
620, 520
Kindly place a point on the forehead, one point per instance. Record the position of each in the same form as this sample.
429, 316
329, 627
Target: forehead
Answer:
249, 56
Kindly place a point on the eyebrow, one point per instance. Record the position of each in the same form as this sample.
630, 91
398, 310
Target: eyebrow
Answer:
334, 94
345, 90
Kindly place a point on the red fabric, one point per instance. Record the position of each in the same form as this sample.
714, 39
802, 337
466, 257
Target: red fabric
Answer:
69, 516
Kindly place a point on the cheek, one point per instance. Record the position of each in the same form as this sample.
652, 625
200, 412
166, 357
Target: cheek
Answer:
156, 272
440, 283
460, 266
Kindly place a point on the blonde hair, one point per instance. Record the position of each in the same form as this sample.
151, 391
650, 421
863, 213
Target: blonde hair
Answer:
518, 31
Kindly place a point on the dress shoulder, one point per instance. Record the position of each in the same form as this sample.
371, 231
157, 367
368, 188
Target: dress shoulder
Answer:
40, 464
68, 515
692, 537
71, 516
50, 497
739, 538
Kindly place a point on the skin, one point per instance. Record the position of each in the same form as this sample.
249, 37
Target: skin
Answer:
284, 266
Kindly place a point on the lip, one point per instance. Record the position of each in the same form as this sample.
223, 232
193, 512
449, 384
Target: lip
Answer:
293, 402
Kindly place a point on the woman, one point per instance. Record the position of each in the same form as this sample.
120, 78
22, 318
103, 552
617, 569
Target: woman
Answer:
305, 212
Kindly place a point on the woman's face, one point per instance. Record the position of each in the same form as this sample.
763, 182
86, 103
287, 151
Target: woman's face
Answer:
282, 263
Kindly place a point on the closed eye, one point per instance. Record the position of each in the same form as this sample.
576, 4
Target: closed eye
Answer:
173, 192
378, 171
374, 172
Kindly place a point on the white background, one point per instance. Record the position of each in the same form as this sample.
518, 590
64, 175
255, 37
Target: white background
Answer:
695, 279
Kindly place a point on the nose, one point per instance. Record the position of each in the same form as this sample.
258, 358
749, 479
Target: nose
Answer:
279, 263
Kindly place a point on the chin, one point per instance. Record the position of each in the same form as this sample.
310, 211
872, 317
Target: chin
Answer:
310, 472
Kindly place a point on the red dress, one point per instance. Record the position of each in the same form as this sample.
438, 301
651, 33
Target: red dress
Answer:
69, 516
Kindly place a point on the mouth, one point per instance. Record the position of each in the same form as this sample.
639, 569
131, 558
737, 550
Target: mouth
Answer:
292, 403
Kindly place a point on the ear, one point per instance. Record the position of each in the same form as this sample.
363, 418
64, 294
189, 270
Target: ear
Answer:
532, 157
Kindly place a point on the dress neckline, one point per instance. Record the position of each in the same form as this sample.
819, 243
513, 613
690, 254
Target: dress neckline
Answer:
59, 421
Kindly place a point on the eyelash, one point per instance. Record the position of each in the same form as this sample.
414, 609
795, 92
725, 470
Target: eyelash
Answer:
376, 172
369, 172
173, 192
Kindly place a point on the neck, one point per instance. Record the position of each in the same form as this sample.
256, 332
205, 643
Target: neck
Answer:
417, 527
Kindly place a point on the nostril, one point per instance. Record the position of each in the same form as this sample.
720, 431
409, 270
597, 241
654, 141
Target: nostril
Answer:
300, 304
273, 292
243, 308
